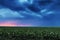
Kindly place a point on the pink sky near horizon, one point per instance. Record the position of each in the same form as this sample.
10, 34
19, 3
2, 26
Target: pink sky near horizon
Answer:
12, 23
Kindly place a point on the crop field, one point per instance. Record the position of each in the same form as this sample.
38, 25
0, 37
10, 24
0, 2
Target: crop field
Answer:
29, 33
37, 29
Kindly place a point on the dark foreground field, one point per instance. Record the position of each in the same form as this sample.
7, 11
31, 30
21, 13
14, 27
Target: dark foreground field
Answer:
29, 33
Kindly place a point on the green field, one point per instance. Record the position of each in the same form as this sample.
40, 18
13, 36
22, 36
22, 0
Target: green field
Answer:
29, 33
39, 29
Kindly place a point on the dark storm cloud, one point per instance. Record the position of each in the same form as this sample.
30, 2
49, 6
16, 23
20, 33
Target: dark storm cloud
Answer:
12, 4
37, 5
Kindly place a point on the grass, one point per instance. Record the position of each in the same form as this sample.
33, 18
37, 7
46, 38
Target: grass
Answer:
50, 29
29, 33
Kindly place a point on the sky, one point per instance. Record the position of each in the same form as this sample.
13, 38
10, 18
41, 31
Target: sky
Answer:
30, 13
